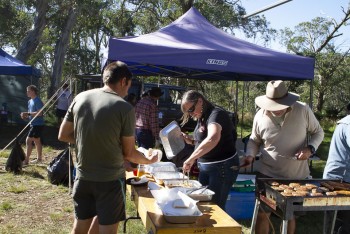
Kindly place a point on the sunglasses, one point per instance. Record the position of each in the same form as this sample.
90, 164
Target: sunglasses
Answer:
193, 107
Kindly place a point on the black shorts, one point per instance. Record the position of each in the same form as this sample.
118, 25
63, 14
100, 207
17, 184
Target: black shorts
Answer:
35, 131
104, 199
61, 113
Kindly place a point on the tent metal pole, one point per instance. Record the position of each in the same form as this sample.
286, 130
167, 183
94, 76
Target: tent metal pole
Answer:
311, 94
240, 122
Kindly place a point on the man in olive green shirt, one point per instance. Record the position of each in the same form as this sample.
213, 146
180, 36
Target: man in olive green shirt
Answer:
102, 124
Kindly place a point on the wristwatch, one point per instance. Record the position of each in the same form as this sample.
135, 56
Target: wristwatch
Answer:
312, 149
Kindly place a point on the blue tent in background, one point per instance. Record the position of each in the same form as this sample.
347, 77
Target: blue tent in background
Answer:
191, 47
15, 76
12, 66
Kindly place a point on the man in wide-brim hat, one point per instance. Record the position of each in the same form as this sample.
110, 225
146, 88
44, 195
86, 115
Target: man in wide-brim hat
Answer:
287, 133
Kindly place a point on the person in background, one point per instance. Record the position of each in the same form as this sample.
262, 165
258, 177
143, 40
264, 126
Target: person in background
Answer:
147, 124
338, 167
64, 99
36, 119
215, 145
102, 124
131, 98
280, 131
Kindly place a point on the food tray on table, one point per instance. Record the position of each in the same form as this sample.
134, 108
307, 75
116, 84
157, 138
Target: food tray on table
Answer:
182, 183
161, 167
202, 194
176, 206
183, 219
161, 176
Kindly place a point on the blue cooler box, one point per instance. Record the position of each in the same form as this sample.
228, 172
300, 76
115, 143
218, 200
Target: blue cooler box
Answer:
240, 205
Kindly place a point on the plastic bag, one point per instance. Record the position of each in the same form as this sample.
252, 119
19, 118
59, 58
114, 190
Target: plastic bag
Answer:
15, 160
58, 169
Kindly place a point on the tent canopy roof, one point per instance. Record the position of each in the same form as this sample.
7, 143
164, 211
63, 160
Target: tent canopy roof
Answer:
12, 66
191, 47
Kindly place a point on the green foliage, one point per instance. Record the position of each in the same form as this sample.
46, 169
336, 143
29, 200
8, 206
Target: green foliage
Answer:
98, 20
5, 206
16, 20
316, 39
17, 188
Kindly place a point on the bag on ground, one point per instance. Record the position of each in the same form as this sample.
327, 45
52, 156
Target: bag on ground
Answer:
58, 169
15, 160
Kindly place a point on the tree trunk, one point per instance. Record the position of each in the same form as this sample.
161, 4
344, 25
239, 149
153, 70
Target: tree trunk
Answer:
186, 5
31, 41
60, 50
320, 101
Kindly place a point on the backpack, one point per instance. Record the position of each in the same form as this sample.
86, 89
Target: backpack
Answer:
58, 169
14, 162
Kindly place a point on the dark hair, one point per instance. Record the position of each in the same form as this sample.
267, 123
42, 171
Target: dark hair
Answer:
116, 71
348, 108
33, 88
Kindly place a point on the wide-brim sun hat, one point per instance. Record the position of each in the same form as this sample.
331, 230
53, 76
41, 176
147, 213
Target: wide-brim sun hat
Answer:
277, 97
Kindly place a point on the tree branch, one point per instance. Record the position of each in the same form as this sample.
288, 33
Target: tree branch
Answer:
332, 35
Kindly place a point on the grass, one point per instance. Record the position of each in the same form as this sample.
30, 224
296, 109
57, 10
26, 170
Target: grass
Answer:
30, 204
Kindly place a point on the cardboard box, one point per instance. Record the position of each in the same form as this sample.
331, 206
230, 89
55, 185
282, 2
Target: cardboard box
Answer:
240, 205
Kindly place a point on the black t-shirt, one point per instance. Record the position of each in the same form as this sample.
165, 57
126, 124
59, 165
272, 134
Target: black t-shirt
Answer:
227, 144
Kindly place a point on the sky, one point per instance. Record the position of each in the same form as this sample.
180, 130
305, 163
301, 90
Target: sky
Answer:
292, 13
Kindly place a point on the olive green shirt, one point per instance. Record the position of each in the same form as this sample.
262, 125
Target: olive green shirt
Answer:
101, 119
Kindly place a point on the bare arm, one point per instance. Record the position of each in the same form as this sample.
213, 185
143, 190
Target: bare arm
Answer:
66, 132
25, 115
132, 155
212, 139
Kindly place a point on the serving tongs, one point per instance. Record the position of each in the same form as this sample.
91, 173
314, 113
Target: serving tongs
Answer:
186, 180
204, 187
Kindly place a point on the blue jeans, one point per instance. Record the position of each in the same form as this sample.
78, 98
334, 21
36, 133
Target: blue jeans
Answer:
144, 138
219, 177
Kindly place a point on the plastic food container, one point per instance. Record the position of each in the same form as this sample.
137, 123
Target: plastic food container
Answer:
201, 195
165, 199
182, 183
162, 176
161, 167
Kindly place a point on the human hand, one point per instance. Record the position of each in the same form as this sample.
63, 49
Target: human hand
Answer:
24, 115
155, 153
304, 154
247, 161
187, 165
128, 166
153, 158
187, 138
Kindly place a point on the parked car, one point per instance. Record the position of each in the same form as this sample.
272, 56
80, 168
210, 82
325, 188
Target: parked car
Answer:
169, 104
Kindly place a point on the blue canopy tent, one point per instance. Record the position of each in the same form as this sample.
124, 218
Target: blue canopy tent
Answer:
191, 47
15, 76
12, 66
